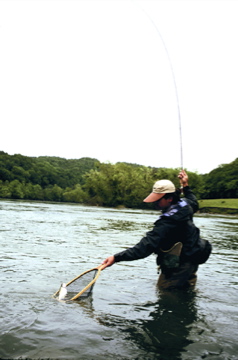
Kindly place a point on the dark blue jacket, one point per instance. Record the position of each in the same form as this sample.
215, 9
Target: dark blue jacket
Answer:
174, 225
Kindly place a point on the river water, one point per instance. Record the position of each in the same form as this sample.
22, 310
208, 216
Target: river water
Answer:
44, 244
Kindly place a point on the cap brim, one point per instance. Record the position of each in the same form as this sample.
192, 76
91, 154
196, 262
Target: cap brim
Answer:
153, 197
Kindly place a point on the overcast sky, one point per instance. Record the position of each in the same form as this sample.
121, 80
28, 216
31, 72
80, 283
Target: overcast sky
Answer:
94, 79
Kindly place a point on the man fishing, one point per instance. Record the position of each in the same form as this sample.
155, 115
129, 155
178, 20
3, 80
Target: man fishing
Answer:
174, 238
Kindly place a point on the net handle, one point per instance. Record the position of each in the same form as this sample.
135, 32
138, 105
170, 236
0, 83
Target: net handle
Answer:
99, 268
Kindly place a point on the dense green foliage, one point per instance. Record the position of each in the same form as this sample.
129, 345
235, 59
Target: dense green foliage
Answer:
222, 182
42, 178
88, 181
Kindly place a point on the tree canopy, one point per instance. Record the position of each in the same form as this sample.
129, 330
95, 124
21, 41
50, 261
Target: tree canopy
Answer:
88, 181
222, 182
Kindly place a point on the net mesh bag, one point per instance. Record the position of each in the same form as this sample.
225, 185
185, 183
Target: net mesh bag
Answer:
80, 284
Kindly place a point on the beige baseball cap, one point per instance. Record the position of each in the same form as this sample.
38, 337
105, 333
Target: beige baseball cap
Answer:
159, 189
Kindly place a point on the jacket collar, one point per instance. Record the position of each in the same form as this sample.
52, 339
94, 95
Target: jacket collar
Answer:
173, 209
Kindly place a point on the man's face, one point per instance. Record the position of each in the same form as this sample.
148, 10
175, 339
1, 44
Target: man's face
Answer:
163, 203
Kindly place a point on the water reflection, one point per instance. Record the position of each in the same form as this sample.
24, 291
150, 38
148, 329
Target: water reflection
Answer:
164, 334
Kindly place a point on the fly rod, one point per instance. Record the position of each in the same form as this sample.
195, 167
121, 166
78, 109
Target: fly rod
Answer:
175, 86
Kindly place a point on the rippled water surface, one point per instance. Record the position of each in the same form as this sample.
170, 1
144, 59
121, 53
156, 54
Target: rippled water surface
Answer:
45, 244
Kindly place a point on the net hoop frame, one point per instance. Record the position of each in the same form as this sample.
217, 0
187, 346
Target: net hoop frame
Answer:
98, 268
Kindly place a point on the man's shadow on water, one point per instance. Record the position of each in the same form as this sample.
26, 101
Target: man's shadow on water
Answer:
165, 333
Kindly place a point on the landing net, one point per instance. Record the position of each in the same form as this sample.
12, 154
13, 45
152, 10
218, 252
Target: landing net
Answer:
84, 285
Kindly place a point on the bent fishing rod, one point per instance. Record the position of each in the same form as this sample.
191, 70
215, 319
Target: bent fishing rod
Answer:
175, 85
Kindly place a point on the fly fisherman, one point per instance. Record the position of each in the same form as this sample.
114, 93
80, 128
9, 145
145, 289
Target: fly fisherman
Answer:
175, 239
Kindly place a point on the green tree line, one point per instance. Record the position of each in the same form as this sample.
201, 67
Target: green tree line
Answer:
88, 181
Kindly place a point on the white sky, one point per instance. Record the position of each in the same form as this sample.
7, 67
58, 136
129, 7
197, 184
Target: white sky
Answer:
93, 79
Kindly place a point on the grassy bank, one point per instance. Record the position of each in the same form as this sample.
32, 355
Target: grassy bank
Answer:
219, 206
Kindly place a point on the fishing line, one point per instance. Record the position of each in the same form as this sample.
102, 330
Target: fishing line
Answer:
175, 85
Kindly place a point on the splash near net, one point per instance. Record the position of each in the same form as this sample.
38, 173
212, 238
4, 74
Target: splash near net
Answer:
81, 286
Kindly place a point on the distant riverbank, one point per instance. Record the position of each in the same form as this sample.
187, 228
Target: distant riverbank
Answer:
206, 206
219, 206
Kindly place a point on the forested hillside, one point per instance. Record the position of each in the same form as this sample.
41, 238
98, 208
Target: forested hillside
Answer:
222, 182
88, 181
